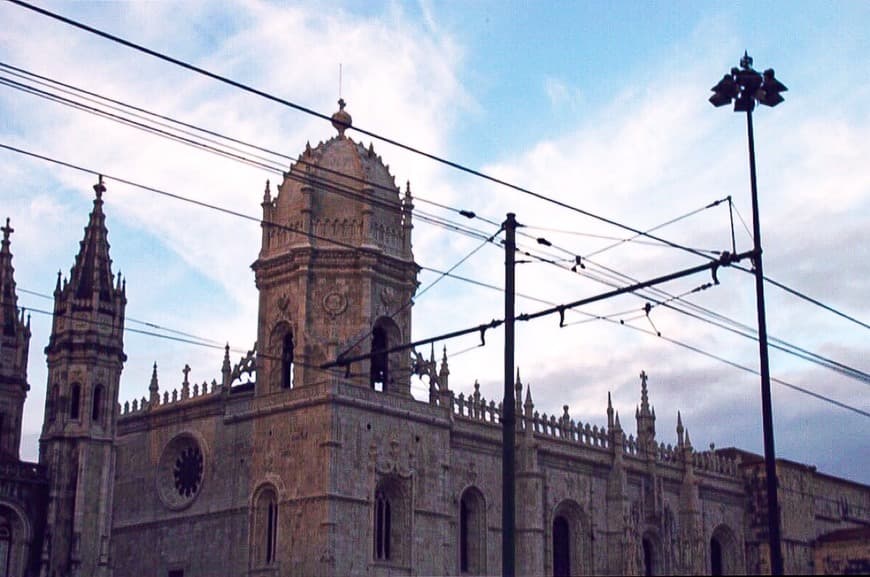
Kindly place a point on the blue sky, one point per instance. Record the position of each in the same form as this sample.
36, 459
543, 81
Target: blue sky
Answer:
600, 105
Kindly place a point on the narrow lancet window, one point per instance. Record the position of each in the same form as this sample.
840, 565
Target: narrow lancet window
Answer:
75, 401
380, 359
287, 361
382, 527
265, 528
98, 403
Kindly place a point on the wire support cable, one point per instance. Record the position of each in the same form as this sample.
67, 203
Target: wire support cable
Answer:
560, 309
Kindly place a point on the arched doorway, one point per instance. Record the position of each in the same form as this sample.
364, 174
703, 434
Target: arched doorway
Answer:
724, 552
652, 557
570, 540
472, 532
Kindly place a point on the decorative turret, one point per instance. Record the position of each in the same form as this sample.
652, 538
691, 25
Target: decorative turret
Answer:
85, 357
154, 389
14, 348
609, 413
444, 393
646, 418
680, 439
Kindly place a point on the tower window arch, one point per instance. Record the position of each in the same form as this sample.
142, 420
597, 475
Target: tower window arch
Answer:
75, 399
96, 409
385, 334
287, 347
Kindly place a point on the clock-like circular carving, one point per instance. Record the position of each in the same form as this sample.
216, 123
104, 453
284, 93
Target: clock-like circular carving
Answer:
181, 471
334, 303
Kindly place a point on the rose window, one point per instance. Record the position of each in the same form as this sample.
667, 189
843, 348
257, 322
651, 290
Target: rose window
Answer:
188, 471
181, 471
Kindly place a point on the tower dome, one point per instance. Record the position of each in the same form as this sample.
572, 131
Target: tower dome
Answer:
336, 271
340, 190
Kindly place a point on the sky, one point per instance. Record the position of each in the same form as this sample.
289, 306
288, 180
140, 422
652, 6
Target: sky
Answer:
600, 106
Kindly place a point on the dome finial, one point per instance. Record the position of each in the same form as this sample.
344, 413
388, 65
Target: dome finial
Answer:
341, 120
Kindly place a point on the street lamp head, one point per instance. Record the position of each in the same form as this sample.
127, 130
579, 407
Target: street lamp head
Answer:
768, 94
724, 92
744, 86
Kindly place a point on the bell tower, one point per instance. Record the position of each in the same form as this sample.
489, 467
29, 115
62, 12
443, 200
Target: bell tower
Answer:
336, 272
85, 356
14, 345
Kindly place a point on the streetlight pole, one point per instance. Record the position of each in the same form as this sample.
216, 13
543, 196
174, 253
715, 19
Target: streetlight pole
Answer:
746, 86
508, 408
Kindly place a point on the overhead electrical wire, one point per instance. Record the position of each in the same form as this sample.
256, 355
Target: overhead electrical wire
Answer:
250, 89
741, 329
22, 73
178, 197
671, 244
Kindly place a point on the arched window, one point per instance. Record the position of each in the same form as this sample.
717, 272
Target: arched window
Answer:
75, 401
385, 334
265, 530
383, 526
98, 403
380, 370
287, 361
472, 533
391, 535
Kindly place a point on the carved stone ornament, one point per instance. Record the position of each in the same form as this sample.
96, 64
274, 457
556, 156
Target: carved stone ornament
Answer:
388, 296
334, 303
282, 302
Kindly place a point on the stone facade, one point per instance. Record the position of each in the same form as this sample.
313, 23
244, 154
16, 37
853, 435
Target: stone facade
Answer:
279, 467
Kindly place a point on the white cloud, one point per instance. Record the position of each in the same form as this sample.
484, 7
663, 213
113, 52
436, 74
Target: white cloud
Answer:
655, 151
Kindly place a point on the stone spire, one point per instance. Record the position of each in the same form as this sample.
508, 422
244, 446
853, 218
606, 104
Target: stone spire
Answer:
8, 297
91, 275
226, 370
154, 388
679, 430
14, 348
646, 419
609, 412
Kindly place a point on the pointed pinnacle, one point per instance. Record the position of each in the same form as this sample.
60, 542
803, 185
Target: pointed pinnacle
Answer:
529, 395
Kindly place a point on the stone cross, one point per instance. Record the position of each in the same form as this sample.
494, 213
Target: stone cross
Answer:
186, 371
7, 230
